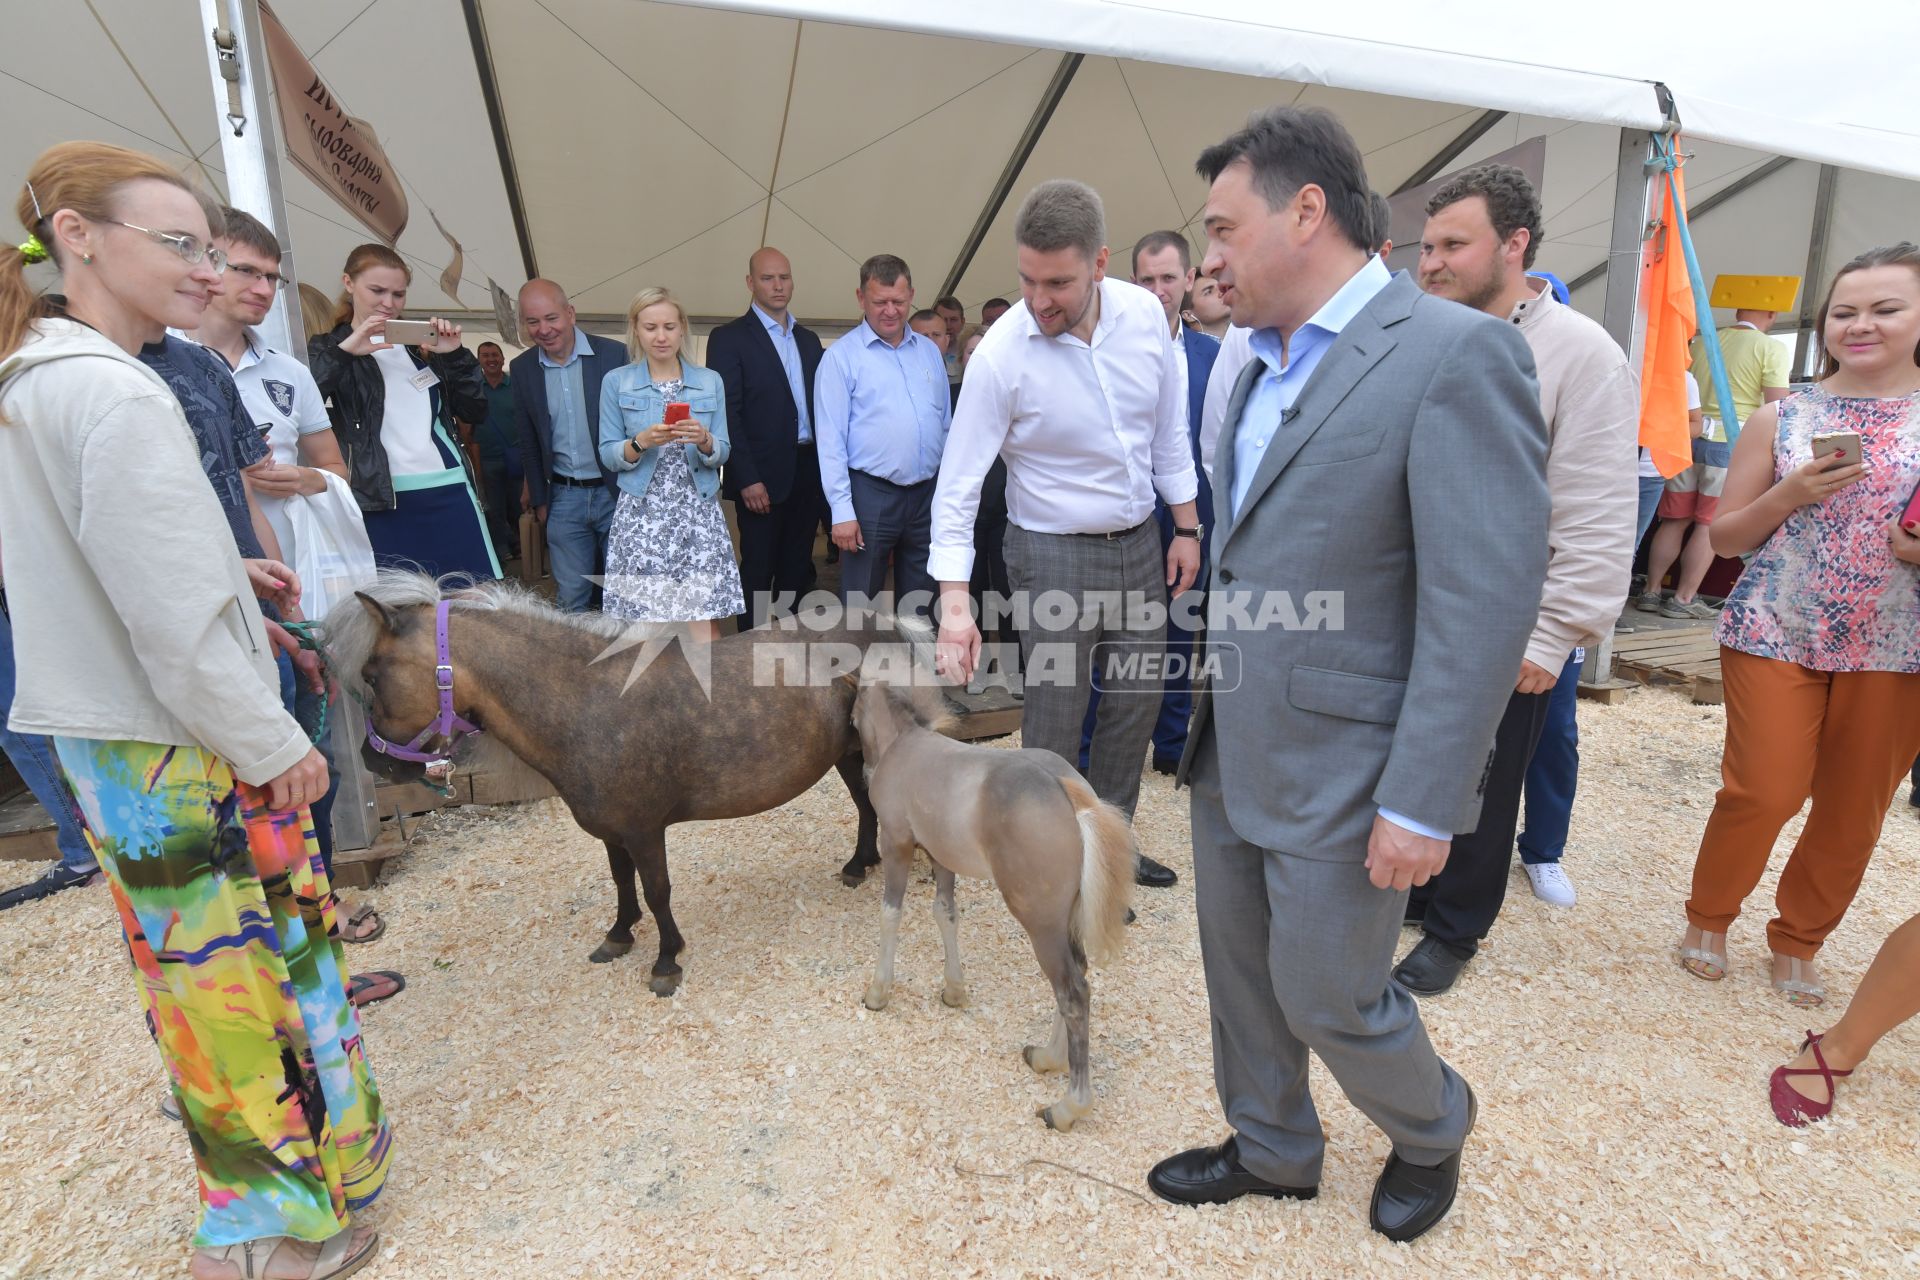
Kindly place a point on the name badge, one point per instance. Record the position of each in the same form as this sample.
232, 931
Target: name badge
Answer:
424, 378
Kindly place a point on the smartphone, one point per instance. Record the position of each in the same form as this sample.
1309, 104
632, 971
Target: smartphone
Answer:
1910, 514
1843, 444
677, 412
407, 333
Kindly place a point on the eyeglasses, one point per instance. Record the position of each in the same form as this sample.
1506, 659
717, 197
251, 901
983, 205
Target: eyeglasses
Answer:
189, 249
273, 278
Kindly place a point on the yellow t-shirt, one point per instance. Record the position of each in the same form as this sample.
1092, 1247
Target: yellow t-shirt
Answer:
1754, 361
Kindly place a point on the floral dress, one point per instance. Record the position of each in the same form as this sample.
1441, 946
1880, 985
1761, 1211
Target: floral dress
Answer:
669, 557
1825, 591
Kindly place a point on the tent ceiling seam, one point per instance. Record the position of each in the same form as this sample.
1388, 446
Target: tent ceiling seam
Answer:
684, 123
147, 89
1437, 163
342, 31
1152, 146
979, 84
104, 119
627, 271
483, 70
780, 147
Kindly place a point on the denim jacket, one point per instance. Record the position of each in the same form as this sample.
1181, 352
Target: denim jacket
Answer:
629, 404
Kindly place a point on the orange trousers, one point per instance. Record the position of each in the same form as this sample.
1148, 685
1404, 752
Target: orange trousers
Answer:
1846, 738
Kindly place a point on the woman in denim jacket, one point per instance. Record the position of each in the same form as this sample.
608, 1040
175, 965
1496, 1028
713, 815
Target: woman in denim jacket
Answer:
669, 557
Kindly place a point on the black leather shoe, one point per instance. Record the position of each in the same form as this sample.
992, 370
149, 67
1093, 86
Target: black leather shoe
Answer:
1409, 1198
1213, 1175
1168, 765
1153, 875
1431, 968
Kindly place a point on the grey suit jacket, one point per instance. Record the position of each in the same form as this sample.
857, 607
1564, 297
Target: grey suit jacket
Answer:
1411, 481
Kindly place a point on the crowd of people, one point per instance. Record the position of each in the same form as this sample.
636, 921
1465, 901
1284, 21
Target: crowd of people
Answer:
1205, 430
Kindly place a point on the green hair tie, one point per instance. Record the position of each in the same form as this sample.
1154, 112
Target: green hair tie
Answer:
32, 251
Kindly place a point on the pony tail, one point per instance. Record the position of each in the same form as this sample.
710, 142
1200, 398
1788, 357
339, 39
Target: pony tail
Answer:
20, 306
1108, 853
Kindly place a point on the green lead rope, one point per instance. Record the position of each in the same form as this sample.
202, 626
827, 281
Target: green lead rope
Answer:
304, 633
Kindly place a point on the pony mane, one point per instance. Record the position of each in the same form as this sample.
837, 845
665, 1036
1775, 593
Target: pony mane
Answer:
924, 704
349, 631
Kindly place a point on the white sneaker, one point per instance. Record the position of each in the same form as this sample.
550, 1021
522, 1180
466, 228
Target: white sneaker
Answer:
1550, 883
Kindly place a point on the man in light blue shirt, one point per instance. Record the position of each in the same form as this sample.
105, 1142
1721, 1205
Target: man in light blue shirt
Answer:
558, 390
881, 415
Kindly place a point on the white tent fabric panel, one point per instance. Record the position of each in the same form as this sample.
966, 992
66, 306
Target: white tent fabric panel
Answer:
1725, 63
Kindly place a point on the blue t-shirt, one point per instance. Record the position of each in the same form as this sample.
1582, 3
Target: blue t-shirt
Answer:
222, 428
501, 431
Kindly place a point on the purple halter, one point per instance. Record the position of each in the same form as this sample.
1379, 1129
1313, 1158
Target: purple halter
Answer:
447, 724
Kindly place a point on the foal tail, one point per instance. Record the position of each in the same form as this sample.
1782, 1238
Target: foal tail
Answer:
1107, 856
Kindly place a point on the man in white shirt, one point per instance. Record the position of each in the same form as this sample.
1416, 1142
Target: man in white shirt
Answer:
1077, 389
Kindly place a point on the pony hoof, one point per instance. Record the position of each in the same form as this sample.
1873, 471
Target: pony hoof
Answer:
609, 950
1057, 1118
954, 997
853, 879
664, 984
1036, 1057
876, 997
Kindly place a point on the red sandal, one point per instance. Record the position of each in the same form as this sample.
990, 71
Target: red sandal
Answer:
1791, 1106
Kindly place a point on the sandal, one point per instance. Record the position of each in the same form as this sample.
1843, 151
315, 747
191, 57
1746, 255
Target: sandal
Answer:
1705, 961
1790, 1106
361, 984
334, 1260
361, 914
1802, 986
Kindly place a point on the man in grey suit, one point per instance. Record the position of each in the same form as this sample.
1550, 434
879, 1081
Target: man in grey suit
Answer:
1380, 487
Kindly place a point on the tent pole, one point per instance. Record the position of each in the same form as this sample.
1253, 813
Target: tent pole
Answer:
1623, 315
502, 144
1807, 344
1699, 211
997, 198
1438, 163
249, 143
249, 148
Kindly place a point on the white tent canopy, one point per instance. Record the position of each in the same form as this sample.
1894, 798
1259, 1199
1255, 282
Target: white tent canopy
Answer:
613, 144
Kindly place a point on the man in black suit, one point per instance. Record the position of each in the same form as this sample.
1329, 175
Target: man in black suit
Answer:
558, 381
767, 361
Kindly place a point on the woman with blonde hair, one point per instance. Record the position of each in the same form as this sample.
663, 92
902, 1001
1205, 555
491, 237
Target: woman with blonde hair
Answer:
141, 655
392, 409
663, 431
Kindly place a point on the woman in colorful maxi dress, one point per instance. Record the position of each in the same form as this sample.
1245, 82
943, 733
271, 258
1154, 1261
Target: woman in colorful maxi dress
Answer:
141, 653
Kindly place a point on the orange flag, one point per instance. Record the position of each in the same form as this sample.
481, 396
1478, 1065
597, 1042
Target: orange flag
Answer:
1667, 297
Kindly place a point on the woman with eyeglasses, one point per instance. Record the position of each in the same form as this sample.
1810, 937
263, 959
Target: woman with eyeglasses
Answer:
140, 652
393, 407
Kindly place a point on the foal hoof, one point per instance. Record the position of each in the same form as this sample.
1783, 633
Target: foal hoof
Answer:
853, 879
664, 984
1058, 1118
954, 996
609, 950
876, 997
1036, 1057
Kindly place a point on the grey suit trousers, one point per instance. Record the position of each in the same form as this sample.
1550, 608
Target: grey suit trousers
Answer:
1058, 651
1297, 952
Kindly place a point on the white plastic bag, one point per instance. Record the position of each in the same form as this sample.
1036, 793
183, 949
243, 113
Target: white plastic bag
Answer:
330, 548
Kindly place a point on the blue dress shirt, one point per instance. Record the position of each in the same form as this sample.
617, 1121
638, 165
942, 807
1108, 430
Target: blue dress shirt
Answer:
789, 352
574, 454
1288, 366
880, 409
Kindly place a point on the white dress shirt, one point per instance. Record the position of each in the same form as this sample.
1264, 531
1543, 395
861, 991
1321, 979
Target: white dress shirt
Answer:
1090, 431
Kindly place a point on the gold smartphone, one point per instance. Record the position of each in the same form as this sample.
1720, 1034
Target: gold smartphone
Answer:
407, 333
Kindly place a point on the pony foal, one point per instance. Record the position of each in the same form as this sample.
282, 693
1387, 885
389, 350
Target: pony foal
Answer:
1062, 858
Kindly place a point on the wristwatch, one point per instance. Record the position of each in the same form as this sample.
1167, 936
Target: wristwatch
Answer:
1193, 533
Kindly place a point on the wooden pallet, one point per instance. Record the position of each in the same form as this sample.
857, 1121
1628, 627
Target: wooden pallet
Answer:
1688, 657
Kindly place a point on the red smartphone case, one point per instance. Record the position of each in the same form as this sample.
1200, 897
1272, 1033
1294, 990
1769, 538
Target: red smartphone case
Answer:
677, 412
1910, 514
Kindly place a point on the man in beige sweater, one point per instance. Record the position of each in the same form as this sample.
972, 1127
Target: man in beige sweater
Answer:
1481, 233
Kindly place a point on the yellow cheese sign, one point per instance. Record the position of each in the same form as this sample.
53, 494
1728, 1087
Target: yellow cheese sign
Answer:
1755, 293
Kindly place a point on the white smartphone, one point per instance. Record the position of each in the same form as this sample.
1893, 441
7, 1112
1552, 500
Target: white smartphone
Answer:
407, 333
1843, 444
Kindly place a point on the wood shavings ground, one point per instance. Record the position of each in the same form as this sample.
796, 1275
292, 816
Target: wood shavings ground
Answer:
554, 1118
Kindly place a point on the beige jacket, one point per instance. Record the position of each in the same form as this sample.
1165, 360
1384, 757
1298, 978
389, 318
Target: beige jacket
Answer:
1591, 401
133, 617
